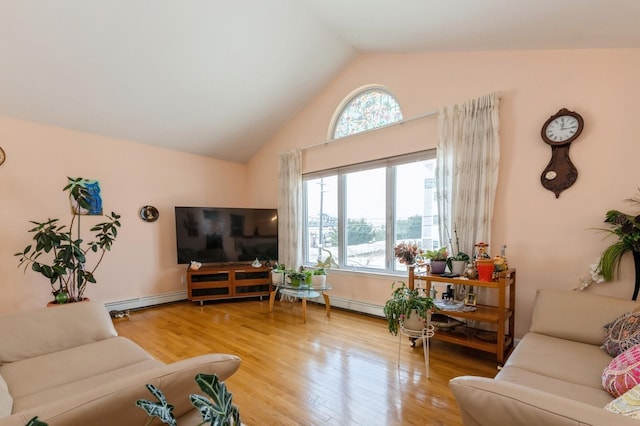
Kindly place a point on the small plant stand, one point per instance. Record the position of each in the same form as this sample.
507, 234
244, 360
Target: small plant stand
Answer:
423, 335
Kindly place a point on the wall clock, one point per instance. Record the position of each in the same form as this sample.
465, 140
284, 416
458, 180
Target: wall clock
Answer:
559, 131
3, 156
149, 214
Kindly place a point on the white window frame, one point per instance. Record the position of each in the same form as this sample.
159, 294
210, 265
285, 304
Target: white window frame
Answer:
390, 218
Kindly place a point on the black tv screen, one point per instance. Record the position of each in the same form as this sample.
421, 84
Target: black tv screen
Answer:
220, 235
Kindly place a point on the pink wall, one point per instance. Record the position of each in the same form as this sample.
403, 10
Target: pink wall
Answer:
143, 259
550, 241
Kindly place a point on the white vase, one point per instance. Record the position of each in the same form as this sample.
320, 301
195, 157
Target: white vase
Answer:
318, 280
458, 266
277, 277
414, 321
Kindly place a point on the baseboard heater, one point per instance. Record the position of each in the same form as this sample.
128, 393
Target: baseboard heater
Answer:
161, 299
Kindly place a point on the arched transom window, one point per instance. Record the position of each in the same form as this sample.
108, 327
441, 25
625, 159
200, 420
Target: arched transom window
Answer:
366, 110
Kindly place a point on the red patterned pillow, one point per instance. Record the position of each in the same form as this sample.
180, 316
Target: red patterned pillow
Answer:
623, 372
622, 333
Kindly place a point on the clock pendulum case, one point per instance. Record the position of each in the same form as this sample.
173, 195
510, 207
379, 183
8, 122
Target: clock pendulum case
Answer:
559, 131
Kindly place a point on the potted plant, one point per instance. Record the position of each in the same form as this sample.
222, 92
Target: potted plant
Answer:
319, 278
458, 263
405, 304
438, 259
407, 252
295, 277
69, 271
216, 408
278, 273
626, 228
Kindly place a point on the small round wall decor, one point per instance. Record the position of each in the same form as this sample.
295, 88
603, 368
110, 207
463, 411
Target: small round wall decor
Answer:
149, 214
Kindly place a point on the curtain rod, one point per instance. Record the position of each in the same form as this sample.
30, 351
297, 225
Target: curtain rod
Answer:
401, 122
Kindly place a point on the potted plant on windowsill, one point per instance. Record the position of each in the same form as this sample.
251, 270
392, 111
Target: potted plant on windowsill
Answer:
69, 270
407, 306
438, 259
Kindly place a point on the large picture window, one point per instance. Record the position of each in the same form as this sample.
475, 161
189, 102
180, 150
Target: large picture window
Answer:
359, 213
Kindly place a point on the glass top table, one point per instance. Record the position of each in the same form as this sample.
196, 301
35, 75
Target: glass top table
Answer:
302, 292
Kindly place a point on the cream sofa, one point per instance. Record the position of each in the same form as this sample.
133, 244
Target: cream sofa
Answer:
67, 365
553, 377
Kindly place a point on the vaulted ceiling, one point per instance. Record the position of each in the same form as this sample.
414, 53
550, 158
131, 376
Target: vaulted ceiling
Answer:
221, 77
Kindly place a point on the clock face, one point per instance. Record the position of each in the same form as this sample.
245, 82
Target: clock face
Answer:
2, 156
562, 128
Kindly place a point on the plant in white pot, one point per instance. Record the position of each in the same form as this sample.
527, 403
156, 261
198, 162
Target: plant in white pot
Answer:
458, 263
407, 306
278, 273
319, 277
67, 264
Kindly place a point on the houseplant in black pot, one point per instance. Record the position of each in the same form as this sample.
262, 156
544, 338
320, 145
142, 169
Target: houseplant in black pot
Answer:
67, 264
406, 304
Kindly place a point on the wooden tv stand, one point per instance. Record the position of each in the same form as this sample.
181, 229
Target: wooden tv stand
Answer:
228, 281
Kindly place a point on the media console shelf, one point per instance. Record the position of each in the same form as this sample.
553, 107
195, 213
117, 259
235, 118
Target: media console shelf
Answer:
228, 281
502, 316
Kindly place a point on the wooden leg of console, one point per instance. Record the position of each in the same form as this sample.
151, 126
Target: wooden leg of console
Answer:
304, 309
272, 297
327, 303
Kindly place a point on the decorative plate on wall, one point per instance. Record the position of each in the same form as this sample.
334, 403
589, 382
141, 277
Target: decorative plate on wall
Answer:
149, 214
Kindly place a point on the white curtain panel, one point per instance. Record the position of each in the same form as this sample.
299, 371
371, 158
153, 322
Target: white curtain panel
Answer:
290, 209
467, 171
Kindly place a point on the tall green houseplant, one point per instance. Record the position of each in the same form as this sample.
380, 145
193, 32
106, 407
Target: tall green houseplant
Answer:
66, 266
626, 228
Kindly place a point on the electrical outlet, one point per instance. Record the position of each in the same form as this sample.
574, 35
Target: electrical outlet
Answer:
182, 279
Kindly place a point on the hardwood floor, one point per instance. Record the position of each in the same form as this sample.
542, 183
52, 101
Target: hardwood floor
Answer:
341, 370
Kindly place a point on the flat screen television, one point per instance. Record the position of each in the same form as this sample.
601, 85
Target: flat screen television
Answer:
226, 235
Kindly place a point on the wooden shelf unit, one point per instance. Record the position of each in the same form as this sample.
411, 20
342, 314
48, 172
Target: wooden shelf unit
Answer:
228, 281
502, 315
